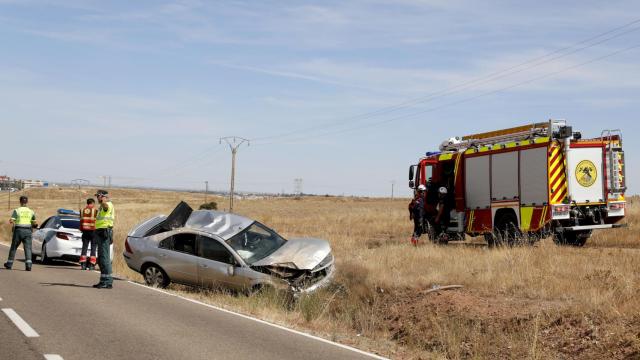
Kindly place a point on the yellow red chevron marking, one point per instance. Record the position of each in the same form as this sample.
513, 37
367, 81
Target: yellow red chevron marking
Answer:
543, 217
455, 170
470, 224
557, 177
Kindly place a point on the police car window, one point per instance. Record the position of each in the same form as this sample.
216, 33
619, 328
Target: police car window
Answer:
70, 223
46, 224
185, 243
54, 223
212, 249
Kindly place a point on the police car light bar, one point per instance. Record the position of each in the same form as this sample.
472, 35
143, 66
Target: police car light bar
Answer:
68, 212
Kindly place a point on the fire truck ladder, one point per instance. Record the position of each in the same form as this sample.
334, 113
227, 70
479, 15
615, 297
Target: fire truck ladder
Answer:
520, 133
615, 160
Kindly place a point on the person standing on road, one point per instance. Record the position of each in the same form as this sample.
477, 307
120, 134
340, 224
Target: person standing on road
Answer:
104, 238
88, 228
23, 220
416, 213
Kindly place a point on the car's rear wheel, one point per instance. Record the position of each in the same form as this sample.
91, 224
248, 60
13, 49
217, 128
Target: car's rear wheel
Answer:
44, 259
156, 277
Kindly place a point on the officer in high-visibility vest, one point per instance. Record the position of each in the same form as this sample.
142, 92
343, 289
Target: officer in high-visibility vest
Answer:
104, 238
88, 228
23, 220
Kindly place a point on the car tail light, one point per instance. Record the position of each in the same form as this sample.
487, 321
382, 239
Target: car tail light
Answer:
64, 236
127, 247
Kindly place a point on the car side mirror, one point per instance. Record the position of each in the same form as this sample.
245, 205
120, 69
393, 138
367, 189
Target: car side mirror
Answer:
412, 184
231, 270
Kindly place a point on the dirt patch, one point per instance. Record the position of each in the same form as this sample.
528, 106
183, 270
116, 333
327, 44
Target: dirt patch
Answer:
461, 324
592, 337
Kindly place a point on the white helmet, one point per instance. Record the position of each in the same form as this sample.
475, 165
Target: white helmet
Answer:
443, 190
422, 187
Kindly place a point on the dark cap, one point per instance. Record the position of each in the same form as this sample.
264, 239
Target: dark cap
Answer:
102, 193
24, 198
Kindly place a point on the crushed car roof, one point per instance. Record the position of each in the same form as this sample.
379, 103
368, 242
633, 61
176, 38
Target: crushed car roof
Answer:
218, 223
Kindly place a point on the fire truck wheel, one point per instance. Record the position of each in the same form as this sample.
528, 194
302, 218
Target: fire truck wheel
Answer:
572, 238
507, 229
491, 239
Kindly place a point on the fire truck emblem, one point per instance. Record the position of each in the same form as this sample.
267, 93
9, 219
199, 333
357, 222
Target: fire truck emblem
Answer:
586, 173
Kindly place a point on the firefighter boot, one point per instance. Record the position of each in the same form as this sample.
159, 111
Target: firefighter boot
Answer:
8, 265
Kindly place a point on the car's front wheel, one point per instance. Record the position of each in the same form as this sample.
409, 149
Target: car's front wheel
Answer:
155, 276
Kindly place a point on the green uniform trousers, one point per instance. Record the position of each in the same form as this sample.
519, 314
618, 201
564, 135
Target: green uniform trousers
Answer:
104, 239
21, 235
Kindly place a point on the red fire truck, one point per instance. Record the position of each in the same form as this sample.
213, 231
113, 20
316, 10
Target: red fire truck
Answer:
527, 183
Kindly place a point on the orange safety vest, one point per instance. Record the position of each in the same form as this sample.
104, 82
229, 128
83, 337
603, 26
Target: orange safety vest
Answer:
88, 218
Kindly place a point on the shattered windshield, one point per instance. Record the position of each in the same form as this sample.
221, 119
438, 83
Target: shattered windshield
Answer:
256, 242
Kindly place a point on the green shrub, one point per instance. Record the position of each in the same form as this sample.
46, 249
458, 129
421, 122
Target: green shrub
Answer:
209, 206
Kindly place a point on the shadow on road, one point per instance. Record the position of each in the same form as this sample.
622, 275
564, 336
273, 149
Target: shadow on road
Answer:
66, 284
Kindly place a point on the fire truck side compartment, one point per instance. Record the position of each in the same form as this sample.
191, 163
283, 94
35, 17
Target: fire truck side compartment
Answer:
533, 177
478, 187
504, 176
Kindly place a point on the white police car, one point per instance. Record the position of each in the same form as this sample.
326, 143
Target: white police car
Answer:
59, 237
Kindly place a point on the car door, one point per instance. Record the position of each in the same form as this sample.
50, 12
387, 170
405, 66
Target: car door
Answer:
177, 256
38, 236
216, 265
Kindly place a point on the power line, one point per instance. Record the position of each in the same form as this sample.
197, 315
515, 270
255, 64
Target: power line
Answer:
469, 98
536, 62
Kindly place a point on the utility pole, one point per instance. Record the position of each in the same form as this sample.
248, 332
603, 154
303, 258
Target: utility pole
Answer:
297, 187
79, 183
234, 143
206, 190
393, 183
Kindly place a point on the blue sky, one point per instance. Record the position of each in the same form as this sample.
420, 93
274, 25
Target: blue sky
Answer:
150, 86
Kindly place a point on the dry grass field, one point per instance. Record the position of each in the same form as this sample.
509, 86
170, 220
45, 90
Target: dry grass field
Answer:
540, 302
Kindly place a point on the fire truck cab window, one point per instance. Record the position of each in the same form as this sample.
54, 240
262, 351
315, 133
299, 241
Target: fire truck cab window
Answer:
429, 172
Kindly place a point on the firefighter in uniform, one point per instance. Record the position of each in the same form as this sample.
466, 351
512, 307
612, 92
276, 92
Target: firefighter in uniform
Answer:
88, 227
104, 238
416, 213
23, 220
441, 222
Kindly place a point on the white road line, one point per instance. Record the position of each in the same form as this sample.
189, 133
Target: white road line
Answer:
264, 322
53, 357
20, 323
374, 356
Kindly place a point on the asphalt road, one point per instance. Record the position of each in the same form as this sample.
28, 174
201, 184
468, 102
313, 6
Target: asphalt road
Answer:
75, 321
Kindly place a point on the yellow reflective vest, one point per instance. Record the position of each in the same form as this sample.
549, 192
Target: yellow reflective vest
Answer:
23, 217
105, 218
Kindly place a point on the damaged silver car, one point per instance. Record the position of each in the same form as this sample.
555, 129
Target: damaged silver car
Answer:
217, 249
